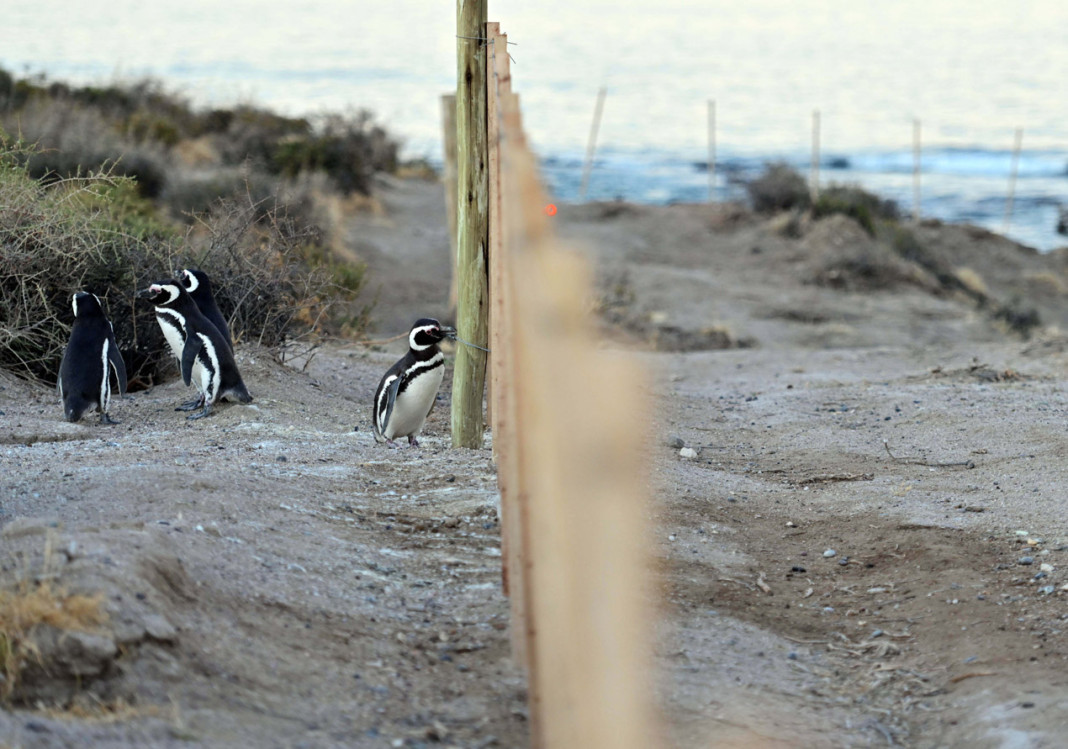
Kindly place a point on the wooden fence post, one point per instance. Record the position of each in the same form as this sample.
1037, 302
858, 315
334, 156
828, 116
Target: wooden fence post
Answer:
469, 373
448, 139
502, 386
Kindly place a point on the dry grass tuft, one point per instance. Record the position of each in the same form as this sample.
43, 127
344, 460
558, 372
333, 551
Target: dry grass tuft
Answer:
92, 710
29, 606
972, 281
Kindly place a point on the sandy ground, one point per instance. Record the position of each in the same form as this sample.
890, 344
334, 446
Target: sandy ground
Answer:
274, 578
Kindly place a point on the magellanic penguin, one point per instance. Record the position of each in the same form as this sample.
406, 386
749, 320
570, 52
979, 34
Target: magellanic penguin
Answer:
408, 389
203, 355
91, 354
197, 283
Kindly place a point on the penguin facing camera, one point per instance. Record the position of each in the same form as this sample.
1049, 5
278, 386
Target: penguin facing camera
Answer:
197, 283
407, 391
88, 361
203, 355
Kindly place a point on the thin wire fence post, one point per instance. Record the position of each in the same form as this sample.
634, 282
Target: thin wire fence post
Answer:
591, 146
1013, 170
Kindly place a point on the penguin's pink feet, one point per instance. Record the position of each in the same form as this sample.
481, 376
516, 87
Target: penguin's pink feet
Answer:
392, 444
412, 441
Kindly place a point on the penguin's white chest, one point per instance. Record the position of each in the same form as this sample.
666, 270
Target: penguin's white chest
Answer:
105, 382
173, 325
413, 404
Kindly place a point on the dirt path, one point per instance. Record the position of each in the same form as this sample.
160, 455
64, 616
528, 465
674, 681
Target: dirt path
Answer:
274, 578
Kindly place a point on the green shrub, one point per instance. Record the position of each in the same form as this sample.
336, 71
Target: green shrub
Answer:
779, 188
860, 205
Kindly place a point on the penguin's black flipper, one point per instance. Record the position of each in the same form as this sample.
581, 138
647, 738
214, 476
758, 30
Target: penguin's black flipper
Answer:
117, 363
391, 398
193, 345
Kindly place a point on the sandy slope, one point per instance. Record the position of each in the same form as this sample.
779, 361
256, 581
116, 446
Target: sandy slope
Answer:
276, 579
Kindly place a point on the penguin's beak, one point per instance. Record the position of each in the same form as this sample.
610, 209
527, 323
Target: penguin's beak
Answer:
448, 332
145, 293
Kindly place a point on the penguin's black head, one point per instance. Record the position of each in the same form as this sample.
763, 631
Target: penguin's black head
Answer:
428, 332
86, 305
162, 293
193, 279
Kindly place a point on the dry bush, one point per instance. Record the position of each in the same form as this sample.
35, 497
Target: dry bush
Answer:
73, 139
60, 238
272, 277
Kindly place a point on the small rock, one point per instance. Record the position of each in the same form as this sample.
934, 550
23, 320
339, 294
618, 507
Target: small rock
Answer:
1046, 590
1025, 560
675, 441
1046, 567
790, 524
798, 568
843, 561
688, 453
830, 553
282, 459
160, 629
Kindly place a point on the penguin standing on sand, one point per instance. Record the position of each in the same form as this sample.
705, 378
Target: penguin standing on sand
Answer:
407, 391
91, 354
198, 285
204, 356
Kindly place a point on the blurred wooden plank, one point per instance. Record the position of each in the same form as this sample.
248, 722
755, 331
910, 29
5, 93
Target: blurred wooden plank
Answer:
502, 370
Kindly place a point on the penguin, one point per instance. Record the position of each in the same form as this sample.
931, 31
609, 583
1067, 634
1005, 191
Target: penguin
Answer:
198, 285
407, 391
202, 353
91, 354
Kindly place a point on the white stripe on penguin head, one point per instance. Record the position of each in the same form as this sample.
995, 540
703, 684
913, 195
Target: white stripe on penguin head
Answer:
422, 329
172, 291
190, 281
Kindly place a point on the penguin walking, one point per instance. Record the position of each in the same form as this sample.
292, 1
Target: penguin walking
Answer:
88, 360
197, 283
203, 354
407, 391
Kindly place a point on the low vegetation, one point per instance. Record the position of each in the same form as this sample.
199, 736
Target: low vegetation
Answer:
896, 255
275, 279
108, 188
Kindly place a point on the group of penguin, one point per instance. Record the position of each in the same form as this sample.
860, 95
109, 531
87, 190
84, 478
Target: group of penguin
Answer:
199, 339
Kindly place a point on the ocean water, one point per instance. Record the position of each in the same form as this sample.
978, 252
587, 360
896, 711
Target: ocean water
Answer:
971, 70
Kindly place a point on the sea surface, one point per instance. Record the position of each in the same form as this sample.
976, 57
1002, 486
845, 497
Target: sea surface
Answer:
971, 71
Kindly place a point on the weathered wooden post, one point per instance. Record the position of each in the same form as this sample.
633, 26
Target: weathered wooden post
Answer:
448, 140
469, 375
